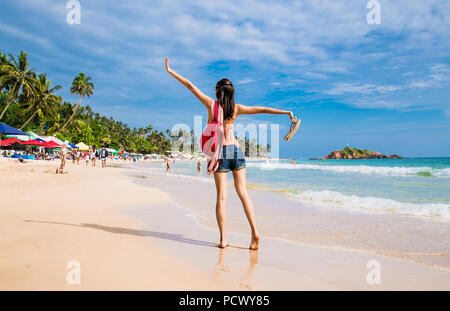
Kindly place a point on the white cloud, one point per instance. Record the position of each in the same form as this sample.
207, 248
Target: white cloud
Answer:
246, 81
315, 75
379, 104
357, 88
15, 32
438, 75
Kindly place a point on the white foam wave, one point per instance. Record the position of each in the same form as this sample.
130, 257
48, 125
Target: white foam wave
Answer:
359, 169
337, 199
442, 173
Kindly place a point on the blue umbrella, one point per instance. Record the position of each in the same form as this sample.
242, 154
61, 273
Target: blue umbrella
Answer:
9, 130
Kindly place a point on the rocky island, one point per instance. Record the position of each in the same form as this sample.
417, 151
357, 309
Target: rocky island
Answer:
358, 154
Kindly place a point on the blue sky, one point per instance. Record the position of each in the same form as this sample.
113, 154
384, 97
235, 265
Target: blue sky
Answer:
380, 87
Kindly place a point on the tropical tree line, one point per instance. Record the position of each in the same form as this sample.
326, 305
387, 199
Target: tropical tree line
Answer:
28, 101
186, 141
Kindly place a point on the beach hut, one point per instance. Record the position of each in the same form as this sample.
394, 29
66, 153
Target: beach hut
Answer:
82, 146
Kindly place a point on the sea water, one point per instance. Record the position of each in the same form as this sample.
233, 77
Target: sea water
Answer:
413, 186
392, 207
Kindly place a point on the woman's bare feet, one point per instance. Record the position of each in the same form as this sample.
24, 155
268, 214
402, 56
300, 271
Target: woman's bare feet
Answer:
223, 244
255, 241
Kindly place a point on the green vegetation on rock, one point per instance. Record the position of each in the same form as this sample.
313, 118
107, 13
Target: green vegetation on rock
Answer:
355, 153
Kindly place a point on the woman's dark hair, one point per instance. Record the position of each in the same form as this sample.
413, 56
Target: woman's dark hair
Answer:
225, 97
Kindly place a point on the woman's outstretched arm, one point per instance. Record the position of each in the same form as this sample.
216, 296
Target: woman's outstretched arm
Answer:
256, 110
205, 100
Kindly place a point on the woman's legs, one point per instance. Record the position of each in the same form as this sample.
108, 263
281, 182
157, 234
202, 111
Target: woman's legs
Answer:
221, 187
240, 184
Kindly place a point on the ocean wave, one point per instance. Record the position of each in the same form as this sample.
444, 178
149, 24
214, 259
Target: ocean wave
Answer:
337, 199
358, 169
442, 173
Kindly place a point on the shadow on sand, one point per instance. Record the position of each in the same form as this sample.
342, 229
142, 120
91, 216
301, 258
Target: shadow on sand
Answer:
118, 230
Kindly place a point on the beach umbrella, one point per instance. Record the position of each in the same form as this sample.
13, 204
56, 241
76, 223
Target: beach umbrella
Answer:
34, 136
34, 142
82, 146
52, 138
9, 130
19, 137
9, 141
52, 145
72, 146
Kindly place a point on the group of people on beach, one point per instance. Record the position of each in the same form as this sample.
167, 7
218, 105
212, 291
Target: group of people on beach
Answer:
91, 155
38, 155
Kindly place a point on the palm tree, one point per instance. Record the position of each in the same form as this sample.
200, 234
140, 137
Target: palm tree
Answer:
44, 101
15, 77
3, 59
82, 87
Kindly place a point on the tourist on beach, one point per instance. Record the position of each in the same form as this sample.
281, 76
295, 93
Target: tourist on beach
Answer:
21, 160
87, 157
168, 166
199, 166
232, 156
74, 155
93, 155
63, 155
104, 156
78, 153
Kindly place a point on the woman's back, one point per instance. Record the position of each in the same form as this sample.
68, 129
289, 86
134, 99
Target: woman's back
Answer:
228, 127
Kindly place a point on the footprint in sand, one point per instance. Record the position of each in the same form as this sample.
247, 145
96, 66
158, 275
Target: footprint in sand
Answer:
245, 285
224, 268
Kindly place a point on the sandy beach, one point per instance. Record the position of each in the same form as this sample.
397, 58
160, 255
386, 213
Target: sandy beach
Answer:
48, 220
129, 236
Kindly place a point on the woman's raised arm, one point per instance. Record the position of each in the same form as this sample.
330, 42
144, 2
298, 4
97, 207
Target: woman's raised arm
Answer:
204, 99
256, 110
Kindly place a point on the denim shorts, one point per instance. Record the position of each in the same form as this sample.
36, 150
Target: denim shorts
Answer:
232, 159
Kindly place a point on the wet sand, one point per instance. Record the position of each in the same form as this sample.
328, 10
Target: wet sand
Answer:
328, 253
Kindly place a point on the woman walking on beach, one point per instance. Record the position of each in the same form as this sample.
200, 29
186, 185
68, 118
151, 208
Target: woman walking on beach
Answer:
232, 156
168, 166
93, 155
199, 167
